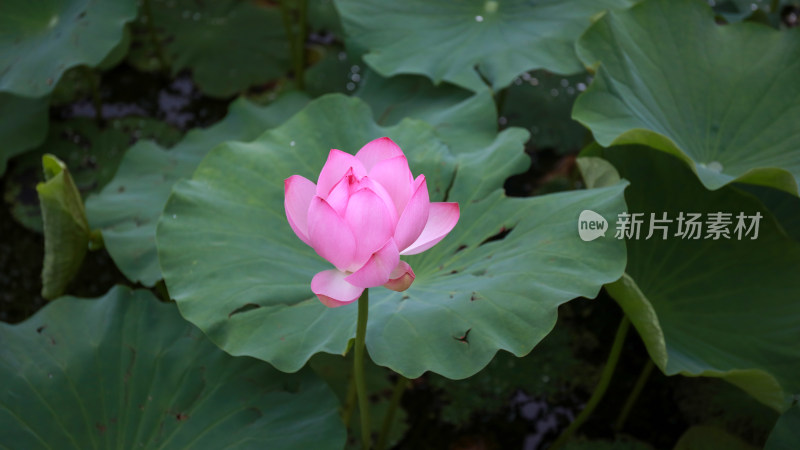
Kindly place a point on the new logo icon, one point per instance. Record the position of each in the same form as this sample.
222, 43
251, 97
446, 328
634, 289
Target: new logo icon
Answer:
591, 225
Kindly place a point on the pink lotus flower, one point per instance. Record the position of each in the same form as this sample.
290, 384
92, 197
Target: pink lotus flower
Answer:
364, 212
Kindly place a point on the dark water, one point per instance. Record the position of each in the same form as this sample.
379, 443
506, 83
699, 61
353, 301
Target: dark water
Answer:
125, 92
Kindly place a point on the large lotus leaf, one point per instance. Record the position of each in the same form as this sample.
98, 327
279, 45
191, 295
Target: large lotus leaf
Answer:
40, 39
127, 209
92, 154
229, 45
126, 371
465, 121
237, 270
786, 434
470, 42
723, 308
722, 98
23, 125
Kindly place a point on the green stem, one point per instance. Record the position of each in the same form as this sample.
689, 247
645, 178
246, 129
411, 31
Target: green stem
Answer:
297, 41
154, 40
300, 45
634, 395
350, 401
161, 288
500, 101
602, 386
388, 419
358, 369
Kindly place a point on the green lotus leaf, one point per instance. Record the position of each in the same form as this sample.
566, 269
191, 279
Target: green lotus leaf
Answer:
229, 45
704, 437
322, 16
622, 442
126, 371
721, 98
786, 434
238, 272
470, 43
92, 154
66, 231
40, 39
23, 125
722, 308
782, 205
127, 209
716, 403
465, 121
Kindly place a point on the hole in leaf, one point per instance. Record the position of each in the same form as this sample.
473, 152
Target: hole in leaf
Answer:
464, 338
500, 235
244, 309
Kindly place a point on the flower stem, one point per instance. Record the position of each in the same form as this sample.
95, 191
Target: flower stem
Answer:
350, 401
358, 369
296, 35
388, 419
634, 395
600, 389
300, 45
